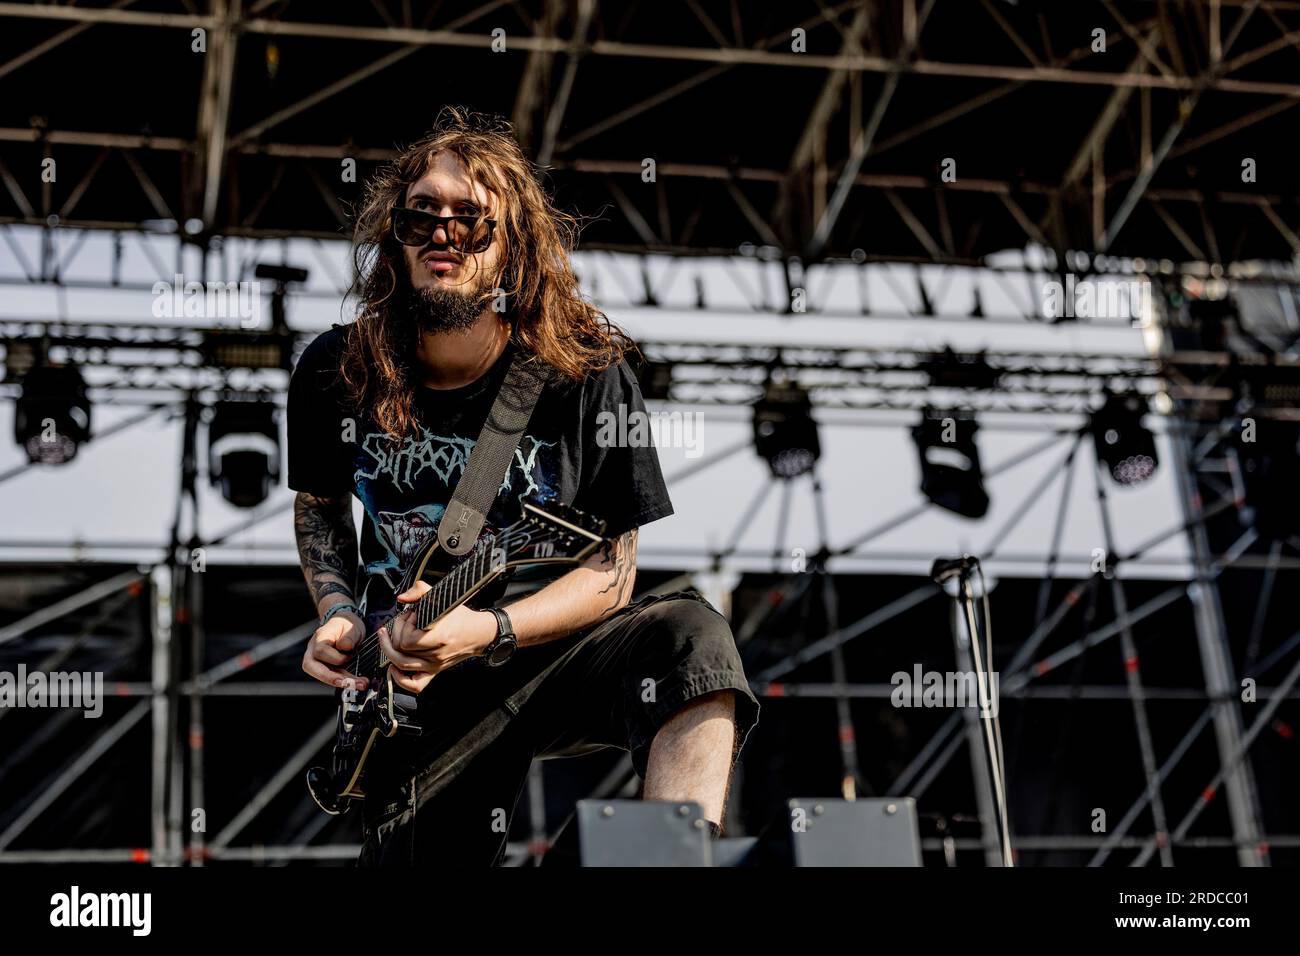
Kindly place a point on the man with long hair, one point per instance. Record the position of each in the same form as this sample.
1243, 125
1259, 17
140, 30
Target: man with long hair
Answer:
464, 264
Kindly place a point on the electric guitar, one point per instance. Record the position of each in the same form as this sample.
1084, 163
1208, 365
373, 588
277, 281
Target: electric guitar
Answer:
548, 532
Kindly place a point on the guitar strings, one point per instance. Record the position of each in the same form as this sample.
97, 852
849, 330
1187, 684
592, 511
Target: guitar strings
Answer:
370, 646
368, 650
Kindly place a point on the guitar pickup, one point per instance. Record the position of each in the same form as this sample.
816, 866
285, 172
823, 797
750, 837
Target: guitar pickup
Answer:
406, 711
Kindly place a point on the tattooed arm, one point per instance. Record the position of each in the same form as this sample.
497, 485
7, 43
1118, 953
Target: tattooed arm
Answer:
327, 547
589, 593
617, 562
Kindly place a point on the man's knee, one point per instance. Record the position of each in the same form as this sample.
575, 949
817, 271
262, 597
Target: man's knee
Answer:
679, 630
685, 651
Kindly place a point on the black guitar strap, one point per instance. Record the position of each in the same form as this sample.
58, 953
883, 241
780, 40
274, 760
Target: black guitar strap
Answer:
494, 452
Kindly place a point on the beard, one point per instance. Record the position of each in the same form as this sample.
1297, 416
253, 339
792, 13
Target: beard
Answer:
438, 309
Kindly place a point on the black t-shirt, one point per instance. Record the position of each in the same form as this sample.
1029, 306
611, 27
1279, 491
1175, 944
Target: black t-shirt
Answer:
335, 450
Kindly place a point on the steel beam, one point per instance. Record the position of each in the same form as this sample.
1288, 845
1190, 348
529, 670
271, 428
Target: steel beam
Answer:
214, 106
41, 800
1220, 681
84, 598
1133, 678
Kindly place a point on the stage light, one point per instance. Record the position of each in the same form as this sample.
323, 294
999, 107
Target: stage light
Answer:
223, 349
20, 357
949, 369
785, 434
1270, 473
52, 415
281, 275
244, 451
950, 462
1123, 443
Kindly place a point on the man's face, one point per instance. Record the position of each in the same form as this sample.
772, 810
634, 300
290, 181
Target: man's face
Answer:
446, 283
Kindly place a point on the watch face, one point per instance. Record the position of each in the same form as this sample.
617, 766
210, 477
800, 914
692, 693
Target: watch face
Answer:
501, 652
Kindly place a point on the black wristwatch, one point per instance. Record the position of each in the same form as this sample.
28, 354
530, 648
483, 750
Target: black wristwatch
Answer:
499, 651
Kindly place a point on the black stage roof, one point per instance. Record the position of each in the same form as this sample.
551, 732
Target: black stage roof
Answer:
832, 152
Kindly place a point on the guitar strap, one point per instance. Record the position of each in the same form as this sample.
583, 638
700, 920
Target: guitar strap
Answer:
493, 454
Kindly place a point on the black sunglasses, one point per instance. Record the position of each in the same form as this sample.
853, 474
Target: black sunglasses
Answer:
465, 234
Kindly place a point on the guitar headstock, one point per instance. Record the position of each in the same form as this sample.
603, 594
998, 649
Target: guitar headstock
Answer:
551, 532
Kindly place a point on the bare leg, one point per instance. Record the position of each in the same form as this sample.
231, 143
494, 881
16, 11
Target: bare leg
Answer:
692, 754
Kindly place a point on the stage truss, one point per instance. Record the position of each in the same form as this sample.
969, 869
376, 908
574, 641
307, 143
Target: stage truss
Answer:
1201, 412
1142, 119
1155, 177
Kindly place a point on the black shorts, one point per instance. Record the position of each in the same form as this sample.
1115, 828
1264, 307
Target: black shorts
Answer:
446, 798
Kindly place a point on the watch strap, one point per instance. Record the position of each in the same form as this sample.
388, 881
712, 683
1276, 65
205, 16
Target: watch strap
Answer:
504, 641
504, 626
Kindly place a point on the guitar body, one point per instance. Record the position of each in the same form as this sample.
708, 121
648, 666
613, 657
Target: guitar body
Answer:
547, 533
384, 709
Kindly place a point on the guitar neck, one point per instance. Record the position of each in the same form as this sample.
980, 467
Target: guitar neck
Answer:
558, 536
455, 587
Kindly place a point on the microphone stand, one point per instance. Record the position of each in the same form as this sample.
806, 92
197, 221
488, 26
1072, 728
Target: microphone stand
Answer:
975, 613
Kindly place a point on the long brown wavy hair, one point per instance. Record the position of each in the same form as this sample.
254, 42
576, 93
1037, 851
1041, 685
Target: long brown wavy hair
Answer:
550, 320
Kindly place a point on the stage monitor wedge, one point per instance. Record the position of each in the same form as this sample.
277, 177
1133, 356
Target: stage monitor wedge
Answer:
876, 832
642, 833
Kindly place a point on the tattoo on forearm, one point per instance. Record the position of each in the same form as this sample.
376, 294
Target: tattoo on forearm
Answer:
619, 558
333, 587
327, 544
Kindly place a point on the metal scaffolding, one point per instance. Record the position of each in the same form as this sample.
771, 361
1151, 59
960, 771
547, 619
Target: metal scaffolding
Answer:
1175, 81
175, 699
854, 182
